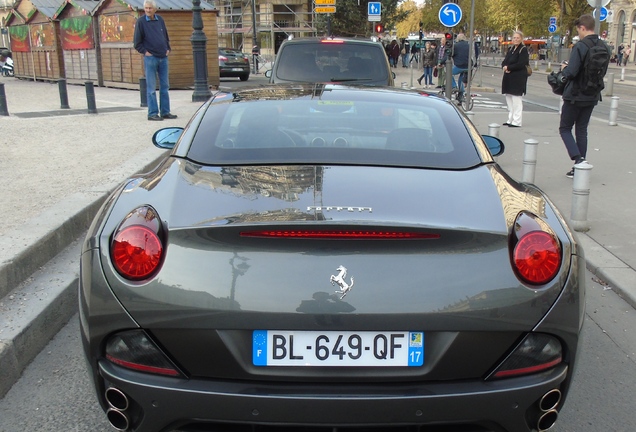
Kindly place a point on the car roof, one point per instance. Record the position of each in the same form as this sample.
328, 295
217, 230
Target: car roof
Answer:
331, 38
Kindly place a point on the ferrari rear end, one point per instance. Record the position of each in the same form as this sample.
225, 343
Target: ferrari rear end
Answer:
330, 297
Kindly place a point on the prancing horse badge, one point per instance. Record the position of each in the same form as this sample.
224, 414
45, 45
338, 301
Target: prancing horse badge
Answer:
342, 283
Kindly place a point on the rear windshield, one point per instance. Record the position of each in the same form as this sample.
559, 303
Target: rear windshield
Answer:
335, 131
332, 61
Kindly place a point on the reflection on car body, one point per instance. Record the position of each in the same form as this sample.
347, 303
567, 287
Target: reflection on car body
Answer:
334, 258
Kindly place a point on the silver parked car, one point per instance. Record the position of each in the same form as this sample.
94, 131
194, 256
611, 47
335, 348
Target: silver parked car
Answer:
330, 258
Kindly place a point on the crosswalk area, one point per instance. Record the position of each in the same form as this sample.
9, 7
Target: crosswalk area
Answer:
485, 101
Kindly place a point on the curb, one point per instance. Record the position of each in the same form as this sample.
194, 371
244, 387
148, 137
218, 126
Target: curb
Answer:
38, 283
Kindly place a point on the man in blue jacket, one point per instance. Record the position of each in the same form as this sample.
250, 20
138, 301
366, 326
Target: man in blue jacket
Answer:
578, 102
461, 52
152, 41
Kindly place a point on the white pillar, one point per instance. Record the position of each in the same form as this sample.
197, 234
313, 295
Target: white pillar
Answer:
530, 150
581, 196
493, 129
613, 114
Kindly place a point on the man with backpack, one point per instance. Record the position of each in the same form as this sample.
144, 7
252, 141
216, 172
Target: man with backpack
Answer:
584, 74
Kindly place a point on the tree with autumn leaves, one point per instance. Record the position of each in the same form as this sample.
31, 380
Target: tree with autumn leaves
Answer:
492, 17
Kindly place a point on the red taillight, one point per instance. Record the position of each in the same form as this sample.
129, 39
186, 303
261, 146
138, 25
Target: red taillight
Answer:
134, 350
137, 244
136, 252
537, 257
341, 234
535, 250
536, 353
223, 58
332, 41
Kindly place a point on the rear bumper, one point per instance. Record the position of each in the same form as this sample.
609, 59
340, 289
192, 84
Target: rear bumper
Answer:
159, 403
226, 71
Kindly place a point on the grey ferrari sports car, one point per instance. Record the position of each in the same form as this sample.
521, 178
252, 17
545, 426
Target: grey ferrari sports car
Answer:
330, 258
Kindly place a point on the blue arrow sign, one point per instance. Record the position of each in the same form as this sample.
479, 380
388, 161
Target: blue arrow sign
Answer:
603, 16
375, 8
450, 14
552, 28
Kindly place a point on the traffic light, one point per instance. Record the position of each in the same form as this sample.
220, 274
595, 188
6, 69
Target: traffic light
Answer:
448, 37
379, 28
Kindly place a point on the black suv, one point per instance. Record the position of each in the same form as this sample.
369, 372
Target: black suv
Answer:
342, 60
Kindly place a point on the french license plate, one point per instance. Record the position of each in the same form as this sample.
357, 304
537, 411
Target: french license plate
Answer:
334, 348
237, 69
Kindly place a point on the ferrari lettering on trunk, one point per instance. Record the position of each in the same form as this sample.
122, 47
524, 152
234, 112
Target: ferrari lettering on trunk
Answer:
339, 208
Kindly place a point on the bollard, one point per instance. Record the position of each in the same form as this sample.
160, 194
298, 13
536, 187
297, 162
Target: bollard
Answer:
529, 160
404, 85
622, 74
90, 97
610, 84
143, 92
536, 65
549, 69
581, 196
61, 85
613, 114
470, 115
493, 129
3, 101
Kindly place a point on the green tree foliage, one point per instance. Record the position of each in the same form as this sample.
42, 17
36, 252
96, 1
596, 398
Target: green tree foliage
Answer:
411, 22
491, 17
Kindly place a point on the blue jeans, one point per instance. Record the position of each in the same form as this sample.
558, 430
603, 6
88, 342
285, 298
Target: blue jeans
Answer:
157, 66
456, 70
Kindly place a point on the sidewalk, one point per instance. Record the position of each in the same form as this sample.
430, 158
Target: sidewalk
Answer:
56, 169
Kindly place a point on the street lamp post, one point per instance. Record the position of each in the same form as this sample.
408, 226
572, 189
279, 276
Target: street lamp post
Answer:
199, 41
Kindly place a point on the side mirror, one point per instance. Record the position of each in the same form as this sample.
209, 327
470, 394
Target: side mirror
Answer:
268, 73
495, 145
167, 138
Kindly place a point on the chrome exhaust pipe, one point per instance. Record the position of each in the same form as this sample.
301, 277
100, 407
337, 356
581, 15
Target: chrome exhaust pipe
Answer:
117, 419
550, 400
547, 420
117, 399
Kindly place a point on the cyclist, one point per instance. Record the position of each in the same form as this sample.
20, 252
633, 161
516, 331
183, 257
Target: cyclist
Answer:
461, 54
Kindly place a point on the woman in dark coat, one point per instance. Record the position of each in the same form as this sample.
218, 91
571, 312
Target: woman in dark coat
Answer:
515, 78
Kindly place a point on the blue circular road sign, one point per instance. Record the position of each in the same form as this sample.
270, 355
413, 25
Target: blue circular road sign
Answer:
450, 14
552, 28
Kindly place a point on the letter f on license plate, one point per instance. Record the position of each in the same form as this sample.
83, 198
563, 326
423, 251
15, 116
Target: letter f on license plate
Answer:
333, 348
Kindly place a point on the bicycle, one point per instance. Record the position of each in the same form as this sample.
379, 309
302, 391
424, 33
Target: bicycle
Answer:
466, 104
260, 61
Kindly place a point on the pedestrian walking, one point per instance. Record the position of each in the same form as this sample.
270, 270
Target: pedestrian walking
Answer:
515, 78
442, 57
415, 52
621, 47
151, 40
429, 61
405, 52
626, 53
583, 89
393, 52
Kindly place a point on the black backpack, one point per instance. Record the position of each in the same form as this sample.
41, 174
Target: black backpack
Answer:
595, 66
